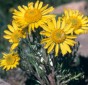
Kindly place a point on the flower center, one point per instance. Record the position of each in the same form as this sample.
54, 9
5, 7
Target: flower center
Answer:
58, 36
16, 36
76, 24
32, 15
10, 60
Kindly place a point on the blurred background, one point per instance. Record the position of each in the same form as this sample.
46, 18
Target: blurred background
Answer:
7, 6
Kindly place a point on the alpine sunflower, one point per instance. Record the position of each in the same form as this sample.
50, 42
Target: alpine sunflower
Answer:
57, 36
9, 60
78, 20
14, 34
32, 15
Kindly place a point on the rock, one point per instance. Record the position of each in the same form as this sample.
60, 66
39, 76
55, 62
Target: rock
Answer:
16, 77
83, 48
2, 82
82, 6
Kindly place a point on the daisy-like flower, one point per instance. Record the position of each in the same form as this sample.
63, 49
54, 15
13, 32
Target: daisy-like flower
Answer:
32, 15
14, 35
57, 36
78, 20
9, 60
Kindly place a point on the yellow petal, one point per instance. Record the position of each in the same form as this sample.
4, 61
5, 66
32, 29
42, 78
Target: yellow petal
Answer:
11, 40
43, 8
7, 32
54, 22
25, 7
30, 5
36, 25
69, 43
14, 46
47, 11
40, 22
10, 28
29, 29
14, 25
48, 44
58, 23
21, 9
71, 37
33, 26
56, 49
40, 5
63, 49
63, 25
7, 68
46, 40
67, 47
51, 25
70, 31
66, 12
67, 28
45, 27
86, 27
79, 31
36, 4
7, 36
51, 47
45, 33
48, 16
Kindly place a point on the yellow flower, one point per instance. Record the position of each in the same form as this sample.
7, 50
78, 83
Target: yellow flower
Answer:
58, 36
10, 60
78, 20
32, 15
14, 34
